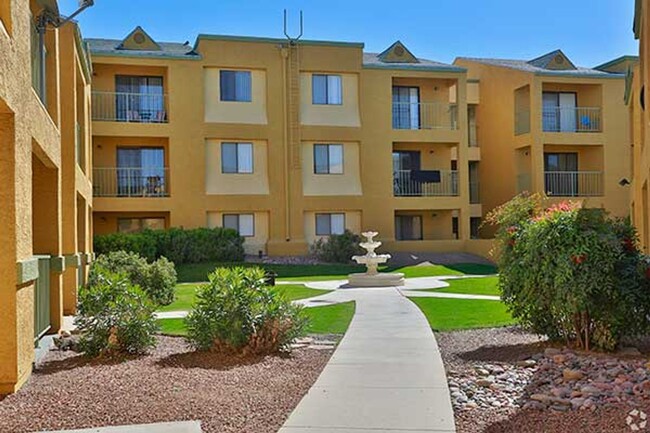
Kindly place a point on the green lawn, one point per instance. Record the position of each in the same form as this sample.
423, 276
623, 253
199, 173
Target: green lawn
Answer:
452, 314
329, 319
198, 272
186, 293
472, 286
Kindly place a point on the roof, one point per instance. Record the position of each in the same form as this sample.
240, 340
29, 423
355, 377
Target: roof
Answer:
258, 39
171, 50
530, 66
622, 61
373, 61
636, 27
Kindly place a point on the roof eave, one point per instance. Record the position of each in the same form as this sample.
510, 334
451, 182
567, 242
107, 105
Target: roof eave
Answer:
133, 55
256, 39
417, 67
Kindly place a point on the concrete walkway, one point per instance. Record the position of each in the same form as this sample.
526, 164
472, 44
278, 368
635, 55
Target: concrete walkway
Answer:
385, 376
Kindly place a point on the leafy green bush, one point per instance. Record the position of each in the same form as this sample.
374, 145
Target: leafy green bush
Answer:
236, 313
337, 248
157, 279
114, 315
178, 245
571, 273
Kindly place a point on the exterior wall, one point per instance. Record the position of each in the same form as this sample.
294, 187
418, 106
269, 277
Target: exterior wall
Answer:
36, 182
518, 160
283, 124
352, 223
252, 244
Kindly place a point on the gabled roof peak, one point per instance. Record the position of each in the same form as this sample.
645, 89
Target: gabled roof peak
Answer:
554, 61
139, 40
397, 53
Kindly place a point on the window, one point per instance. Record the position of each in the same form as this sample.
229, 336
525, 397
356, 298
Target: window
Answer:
328, 158
37, 52
235, 86
133, 225
139, 99
237, 158
475, 227
244, 224
408, 227
330, 224
326, 89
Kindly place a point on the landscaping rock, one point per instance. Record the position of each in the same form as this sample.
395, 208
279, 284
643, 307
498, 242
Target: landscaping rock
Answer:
571, 375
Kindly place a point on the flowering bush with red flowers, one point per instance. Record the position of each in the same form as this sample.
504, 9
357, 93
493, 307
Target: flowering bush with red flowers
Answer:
571, 273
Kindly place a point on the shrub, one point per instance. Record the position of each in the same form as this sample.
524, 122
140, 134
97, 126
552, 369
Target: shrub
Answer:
178, 245
157, 279
114, 315
570, 273
237, 313
337, 248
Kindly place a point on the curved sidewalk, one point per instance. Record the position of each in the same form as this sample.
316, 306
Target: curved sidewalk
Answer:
385, 376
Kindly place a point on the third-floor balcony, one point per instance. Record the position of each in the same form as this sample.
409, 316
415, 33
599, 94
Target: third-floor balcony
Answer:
425, 183
129, 107
425, 115
131, 182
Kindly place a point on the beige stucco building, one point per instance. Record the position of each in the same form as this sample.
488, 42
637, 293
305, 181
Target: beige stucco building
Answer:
549, 126
45, 187
284, 141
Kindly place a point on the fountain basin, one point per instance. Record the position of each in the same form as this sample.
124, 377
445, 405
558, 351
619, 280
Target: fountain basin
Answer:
376, 280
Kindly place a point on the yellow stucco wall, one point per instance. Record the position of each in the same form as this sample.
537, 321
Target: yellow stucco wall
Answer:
345, 114
347, 183
252, 244
352, 223
217, 182
235, 111
39, 177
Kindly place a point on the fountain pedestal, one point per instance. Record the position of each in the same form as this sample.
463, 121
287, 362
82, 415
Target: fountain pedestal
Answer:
372, 278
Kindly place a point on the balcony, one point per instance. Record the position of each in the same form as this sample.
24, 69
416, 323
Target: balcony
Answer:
573, 183
425, 115
419, 183
129, 107
131, 182
571, 119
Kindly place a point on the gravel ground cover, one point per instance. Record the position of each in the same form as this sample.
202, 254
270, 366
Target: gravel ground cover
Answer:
171, 384
503, 380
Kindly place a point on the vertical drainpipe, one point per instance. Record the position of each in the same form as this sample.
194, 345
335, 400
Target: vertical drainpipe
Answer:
41, 27
284, 53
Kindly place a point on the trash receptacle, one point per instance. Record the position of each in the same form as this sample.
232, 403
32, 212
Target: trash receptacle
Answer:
269, 278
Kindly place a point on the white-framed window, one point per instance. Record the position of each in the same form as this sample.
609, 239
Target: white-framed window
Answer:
237, 158
330, 224
328, 158
235, 86
243, 223
326, 89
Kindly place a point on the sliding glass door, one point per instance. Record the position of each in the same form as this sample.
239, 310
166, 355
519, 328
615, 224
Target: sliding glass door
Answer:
406, 107
139, 99
141, 171
559, 111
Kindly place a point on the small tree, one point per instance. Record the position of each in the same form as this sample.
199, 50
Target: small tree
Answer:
237, 313
571, 273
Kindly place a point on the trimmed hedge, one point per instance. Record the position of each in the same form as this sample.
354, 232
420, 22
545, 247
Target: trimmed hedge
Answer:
177, 245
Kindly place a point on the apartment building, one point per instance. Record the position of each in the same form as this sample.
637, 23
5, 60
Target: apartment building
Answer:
45, 187
284, 141
549, 126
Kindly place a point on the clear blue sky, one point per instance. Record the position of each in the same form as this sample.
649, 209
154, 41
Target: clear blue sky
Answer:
590, 32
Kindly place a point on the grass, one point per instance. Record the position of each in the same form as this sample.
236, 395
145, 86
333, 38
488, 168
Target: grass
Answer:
472, 286
186, 294
455, 314
198, 272
329, 319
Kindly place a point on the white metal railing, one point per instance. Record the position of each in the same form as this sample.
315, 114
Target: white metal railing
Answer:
573, 183
129, 107
411, 183
522, 122
571, 119
131, 182
425, 115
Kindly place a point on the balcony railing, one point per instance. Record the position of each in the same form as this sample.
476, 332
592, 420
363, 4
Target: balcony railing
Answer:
571, 119
425, 115
412, 183
573, 183
131, 182
129, 107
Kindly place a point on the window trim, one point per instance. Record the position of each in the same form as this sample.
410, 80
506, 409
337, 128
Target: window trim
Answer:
328, 214
237, 146
236, 71
238, 216
329, 164
327, 90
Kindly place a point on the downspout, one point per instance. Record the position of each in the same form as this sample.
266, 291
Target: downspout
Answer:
284, 53
41, 27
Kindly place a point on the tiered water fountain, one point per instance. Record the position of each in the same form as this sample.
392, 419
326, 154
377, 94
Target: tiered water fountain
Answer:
372, 278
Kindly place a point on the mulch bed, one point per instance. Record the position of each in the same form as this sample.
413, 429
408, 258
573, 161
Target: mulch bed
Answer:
173, 383
468, 355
